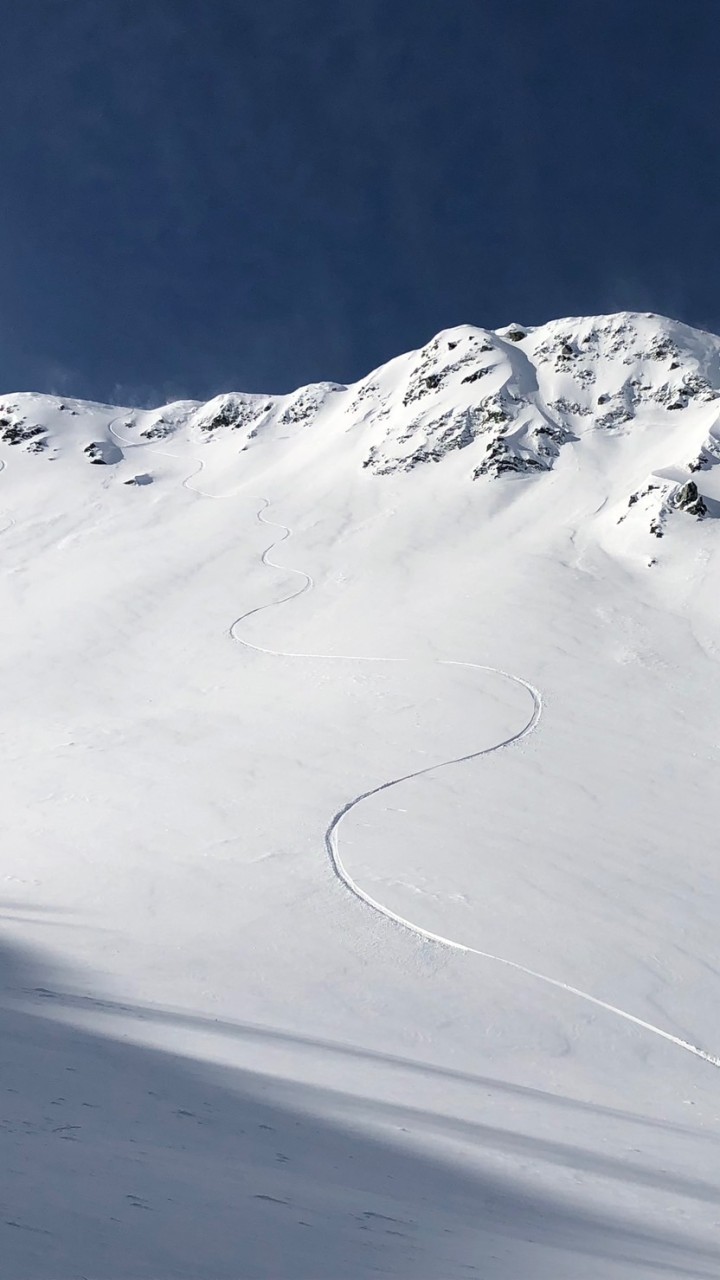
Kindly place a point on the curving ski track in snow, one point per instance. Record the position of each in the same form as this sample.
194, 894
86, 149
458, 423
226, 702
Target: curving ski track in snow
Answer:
331, 831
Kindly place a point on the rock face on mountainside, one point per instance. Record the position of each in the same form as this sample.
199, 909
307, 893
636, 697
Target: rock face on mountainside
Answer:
688, 499
521, 401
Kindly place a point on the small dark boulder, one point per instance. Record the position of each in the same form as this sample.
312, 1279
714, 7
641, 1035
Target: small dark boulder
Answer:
689, 499
103, 453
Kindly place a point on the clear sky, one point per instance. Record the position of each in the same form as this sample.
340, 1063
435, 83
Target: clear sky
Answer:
204, 195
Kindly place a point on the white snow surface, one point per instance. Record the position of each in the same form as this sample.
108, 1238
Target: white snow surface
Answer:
360, 885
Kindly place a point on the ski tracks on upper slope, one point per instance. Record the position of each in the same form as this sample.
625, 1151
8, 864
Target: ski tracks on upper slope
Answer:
331, 833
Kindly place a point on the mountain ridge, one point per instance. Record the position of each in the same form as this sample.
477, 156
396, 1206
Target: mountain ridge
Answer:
639, 388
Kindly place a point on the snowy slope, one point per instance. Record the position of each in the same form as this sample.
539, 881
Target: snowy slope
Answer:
265, 1015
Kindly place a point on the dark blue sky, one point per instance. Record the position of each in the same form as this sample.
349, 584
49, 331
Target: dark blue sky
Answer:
200, 195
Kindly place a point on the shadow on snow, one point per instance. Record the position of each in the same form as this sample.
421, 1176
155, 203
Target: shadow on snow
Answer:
123, 1161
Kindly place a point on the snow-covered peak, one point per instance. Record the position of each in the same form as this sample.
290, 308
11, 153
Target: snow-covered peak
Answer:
632, 396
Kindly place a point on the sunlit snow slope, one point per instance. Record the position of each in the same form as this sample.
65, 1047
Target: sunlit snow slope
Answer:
265, 1015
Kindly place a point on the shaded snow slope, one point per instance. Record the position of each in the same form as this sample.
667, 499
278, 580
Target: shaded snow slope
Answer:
218, 1060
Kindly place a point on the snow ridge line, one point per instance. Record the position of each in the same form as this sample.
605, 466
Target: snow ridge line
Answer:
331, 831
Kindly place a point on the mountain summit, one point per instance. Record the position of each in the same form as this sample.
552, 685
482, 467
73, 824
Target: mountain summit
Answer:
633, 395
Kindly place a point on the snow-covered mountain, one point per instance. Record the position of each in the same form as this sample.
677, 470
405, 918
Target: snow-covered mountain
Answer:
636, 393
358, 753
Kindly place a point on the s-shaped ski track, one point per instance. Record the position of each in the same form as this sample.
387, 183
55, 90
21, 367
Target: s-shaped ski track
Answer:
331, 831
